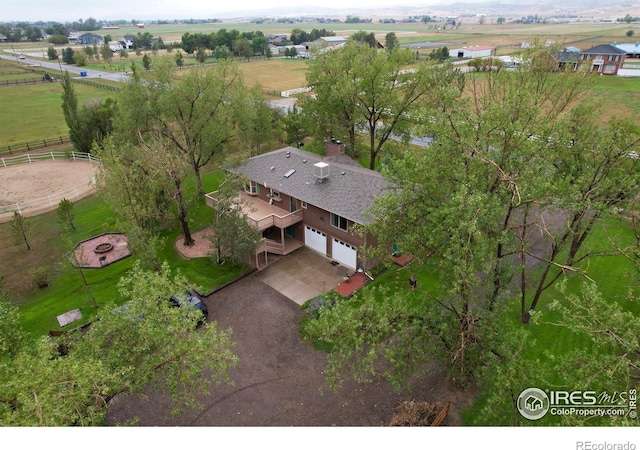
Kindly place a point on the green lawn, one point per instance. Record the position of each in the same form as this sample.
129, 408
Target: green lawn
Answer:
615, 277
67, 290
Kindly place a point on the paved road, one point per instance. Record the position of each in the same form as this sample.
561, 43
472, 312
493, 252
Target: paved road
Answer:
60, 66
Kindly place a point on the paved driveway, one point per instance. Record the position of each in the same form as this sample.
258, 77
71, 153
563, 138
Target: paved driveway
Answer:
279, 380
303, 274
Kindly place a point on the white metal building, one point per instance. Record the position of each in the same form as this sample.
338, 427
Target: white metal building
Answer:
477, 51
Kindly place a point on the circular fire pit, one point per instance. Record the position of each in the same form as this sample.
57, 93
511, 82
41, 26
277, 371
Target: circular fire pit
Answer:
103, 248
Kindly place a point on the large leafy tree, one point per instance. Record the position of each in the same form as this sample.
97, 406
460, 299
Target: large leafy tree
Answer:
193, 114
362, 37
257, 123
501, 205
391, 42
358, 87
71, 380
141, 213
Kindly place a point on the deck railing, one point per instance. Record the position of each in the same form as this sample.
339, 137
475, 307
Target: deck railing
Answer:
276, 220
270, 220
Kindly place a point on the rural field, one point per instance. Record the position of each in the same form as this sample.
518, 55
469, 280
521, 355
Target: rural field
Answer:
33, 112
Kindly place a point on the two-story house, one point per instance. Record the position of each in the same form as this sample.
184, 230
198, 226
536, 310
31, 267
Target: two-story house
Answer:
297, 198
127, 41
604, 59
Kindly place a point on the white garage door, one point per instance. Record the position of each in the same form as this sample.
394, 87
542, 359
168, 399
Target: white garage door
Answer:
344, 253
315, 239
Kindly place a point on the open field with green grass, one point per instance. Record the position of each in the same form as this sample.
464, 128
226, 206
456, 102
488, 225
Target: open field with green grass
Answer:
468, 31
34, 112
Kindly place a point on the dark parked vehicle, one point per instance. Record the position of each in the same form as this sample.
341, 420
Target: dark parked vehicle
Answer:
192, 300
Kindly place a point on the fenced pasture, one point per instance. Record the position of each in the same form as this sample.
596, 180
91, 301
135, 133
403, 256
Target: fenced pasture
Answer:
35, 145
278, 74
33, 112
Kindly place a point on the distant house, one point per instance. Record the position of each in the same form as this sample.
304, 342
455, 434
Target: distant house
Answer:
89, 39
127, 41
115, 46
300, 49
477, 51
510, 62
277, 40
73, 36
326, 42
566, 60
604, 59
296, 198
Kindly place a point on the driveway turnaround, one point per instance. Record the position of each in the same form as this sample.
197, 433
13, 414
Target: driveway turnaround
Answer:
279, 380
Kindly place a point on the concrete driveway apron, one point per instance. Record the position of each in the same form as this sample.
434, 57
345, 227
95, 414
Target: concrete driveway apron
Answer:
303, 275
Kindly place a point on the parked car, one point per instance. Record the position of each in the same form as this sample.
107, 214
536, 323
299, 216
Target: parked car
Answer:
193, 301
22, 57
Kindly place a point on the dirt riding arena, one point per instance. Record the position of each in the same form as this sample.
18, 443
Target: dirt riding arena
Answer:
39, 186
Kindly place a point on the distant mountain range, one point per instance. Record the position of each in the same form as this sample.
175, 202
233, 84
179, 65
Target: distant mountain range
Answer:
507, 8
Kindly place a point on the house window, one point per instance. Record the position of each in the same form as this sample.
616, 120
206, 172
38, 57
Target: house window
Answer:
252, 188
610, 67
303, 204
274, 194
339, 222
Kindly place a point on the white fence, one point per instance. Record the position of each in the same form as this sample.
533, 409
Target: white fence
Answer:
291, 92
45, 156
53, 199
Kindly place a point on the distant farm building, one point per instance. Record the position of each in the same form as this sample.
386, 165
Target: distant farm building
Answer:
477, 51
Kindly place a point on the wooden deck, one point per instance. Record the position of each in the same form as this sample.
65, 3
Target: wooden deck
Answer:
260, 214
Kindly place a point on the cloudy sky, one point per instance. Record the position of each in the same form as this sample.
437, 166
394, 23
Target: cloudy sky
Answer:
70, 10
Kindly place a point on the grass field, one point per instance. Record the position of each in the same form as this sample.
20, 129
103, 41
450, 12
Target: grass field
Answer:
34, 112
470, 29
